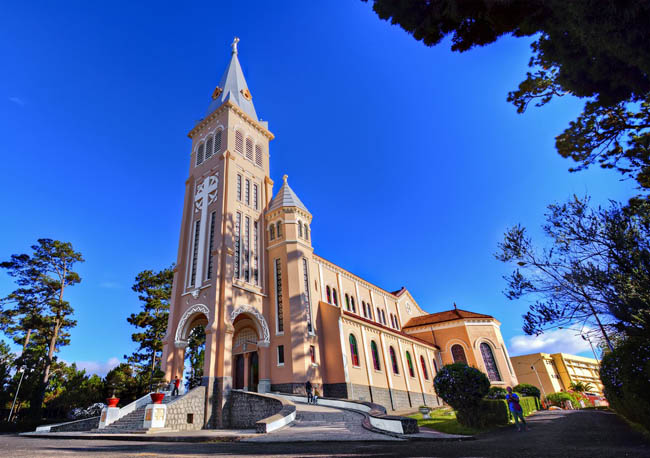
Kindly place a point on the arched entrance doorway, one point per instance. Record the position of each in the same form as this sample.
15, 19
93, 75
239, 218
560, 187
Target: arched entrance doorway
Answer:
190, 342
245, 366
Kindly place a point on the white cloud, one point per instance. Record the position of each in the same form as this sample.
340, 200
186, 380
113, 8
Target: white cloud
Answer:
17, 101
110, 285
98, 367
556, 341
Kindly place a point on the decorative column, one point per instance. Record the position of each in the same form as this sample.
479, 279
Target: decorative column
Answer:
246, 370
263, 353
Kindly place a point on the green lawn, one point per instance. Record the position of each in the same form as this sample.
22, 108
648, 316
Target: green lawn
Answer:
445, 421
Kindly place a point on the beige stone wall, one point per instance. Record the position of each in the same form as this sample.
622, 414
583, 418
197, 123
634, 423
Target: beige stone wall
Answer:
546, 379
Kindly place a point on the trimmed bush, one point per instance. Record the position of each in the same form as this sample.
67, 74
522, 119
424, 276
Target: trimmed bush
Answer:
625, 373
526, 389
463, 388
494, 412
496, 392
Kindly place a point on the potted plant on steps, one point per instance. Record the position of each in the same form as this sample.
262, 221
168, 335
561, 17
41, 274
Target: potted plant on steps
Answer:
113, 400
424, 410
157, 396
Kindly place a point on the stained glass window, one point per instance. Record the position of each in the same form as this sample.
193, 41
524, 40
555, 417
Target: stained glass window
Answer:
458, 354
490, 363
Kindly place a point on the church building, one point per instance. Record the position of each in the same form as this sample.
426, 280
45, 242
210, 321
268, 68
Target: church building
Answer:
276, 314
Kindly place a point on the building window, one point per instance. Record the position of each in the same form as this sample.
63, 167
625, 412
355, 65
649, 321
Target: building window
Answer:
354, 353
258, 155
195, 251
217, 141
237, 244
246, 248
354, 308
213, 218
458, 354
392, 323
306, 232
299, 229
239, 188
279, 228
328, 292
393, 360
335, 297
256, 262
278, 295
347, 302
490, 363
378, 315
249, 149
435, 365
272, 232
409, 363
255, 200
383, 317
280, 355
247, 192
363, 307
239, 142
199, 154
305, 270
312, 354
424, 368
209, 148
375, 355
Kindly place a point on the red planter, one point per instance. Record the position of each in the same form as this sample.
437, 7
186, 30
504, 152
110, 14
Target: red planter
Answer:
157, 397
112, 402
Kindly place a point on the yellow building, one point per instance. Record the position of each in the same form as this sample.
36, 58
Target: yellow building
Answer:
556, 372
275, 313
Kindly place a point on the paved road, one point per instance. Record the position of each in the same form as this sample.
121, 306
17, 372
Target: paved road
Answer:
579, 434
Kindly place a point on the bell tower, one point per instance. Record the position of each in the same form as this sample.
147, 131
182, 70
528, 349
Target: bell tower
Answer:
220, 278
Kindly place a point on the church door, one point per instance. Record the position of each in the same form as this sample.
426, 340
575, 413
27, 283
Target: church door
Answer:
238, 383
253, 372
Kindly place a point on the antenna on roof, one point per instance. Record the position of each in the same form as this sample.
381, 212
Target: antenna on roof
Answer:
455, 308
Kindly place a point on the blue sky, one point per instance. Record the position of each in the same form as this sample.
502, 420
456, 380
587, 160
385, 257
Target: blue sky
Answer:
409, 157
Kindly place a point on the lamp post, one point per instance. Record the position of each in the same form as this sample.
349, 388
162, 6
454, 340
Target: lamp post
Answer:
22, 374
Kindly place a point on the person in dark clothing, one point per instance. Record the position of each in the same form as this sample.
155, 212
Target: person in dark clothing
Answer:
177, 383
310, 395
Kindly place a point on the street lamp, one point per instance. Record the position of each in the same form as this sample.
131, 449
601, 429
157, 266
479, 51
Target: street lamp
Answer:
22, 374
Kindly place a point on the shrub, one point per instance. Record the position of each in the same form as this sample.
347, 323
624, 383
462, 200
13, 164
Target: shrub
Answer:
497, 412
526, 389
496, 392
463, 388
625, 373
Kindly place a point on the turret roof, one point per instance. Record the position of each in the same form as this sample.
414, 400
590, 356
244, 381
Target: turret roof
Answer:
286, 197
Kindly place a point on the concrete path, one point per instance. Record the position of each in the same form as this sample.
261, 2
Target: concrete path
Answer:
320, 423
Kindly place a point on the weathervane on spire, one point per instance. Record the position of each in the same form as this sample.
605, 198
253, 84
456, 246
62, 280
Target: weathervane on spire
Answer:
234, 45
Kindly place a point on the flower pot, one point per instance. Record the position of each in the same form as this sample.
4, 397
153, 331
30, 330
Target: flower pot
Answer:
425, 412
157, 397
112, 402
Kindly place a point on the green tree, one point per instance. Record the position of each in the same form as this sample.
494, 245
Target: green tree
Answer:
596, 268
587, 48
463, 387
6, 365
154, 291
581, 387
195, 354
43, 277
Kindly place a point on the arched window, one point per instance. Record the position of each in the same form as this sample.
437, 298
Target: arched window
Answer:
378, 315
409, 363
354, 353
209, 148
299, 229
435, 365
258, 155
347, 302
249, 149
272, 232
424, 368
490, 363
329, 294
375, 355
199, 154
458, 354
217, 141
239, 142
383, 317
306, 232
392, 322
354, 308
393, 360
279, 228
335, 297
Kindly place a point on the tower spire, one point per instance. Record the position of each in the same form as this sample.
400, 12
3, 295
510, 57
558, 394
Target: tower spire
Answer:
233, 87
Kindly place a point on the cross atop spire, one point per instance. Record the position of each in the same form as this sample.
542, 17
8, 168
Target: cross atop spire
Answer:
233, 87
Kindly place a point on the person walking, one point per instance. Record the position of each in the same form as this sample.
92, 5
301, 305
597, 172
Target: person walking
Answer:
515, 408
177, 384
309, 389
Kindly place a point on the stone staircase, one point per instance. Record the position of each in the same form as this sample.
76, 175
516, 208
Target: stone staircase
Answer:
132, 422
